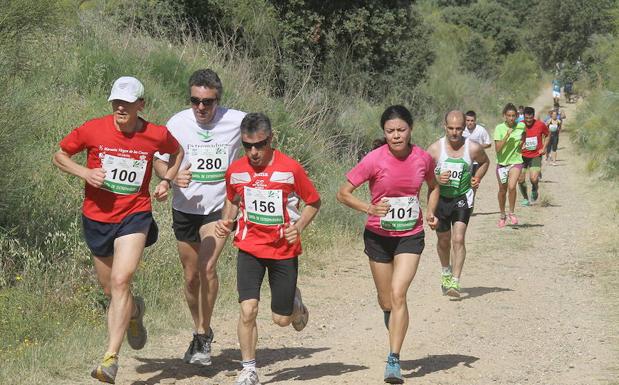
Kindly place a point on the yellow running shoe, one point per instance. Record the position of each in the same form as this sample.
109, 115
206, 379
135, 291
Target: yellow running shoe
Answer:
136, 333
106, 371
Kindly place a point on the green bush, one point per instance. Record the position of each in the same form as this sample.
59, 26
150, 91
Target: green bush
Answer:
595, 132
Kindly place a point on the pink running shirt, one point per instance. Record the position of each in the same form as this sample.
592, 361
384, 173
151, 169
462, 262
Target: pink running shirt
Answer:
392, 177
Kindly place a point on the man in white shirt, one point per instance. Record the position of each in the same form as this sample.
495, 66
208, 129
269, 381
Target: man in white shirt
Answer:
475, 132
211, 136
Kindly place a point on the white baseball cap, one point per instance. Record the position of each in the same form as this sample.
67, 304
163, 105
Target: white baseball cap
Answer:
126, 88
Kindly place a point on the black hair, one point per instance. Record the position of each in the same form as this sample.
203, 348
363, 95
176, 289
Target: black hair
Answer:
471, 113
206, 78
396, 112
509, 107
392, 112
255, 122
529, 111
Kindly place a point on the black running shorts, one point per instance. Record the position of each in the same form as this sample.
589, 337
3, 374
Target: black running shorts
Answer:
380, 248
283, 273
187, 226
100, 236
452, 210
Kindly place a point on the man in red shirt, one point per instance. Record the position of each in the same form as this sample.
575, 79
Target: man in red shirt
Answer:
533, 148
117, 219
264, 187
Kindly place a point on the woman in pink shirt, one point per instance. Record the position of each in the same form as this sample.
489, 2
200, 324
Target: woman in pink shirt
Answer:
394, 236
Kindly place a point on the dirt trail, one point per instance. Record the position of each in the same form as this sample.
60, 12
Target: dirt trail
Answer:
531, 312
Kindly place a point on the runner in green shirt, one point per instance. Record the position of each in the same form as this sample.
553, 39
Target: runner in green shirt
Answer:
508, 145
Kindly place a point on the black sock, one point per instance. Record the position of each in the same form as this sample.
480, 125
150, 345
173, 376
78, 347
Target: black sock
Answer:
386, 315
395, 355
523, 190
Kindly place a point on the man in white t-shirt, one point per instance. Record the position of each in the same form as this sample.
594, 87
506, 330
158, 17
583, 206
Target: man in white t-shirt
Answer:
211, 136
475, 132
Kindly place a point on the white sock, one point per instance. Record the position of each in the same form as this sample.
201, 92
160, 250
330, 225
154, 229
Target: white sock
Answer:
446, 270
249, 364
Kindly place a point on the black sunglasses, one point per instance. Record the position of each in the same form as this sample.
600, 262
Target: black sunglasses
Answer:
206, 101
258, 145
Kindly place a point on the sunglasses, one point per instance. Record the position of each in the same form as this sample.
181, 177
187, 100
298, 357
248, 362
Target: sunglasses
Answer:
206, 101
259, 145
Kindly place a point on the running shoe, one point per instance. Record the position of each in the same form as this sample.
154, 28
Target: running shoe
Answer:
512, 218
199, 350
501, 223
525, 202
534, 196
454, 289
393, 373
136, 333
247, 377
106, 371
300, 313
445, 282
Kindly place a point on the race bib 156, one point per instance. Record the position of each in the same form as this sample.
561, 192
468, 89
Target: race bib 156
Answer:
264, 207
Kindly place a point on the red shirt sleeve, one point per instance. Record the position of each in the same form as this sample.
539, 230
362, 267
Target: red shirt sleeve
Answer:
304, 187
169, 144
74, 142
230, 192
545, 130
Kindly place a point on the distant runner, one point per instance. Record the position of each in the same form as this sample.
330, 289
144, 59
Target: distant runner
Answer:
265, 187
454, 158
554, 126
533, 148
117, 218
556, 92
394, 235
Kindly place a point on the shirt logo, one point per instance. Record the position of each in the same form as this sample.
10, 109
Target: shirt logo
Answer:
205, 136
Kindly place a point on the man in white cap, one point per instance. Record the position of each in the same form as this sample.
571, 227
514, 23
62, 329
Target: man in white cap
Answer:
116, 213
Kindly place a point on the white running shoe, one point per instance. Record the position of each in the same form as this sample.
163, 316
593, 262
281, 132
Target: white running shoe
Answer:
247, 377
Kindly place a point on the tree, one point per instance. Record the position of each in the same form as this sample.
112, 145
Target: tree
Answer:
564, 32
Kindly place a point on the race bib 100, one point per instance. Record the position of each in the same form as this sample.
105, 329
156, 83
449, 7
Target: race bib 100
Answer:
402, 215
264, 207
123, 175
208, 162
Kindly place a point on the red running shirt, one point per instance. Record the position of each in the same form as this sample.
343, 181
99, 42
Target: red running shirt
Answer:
532, 142
100, 138
269, 199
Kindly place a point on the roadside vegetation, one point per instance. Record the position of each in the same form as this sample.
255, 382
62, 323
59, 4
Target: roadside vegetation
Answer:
324, 76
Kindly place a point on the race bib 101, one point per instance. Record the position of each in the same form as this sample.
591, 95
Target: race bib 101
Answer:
402, 215
123, 175
208, 162
264, 207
